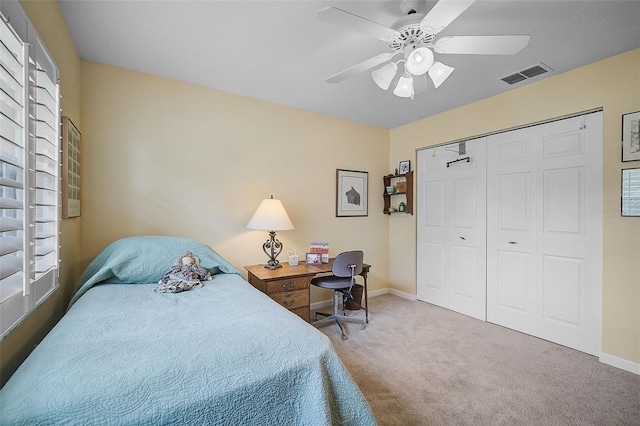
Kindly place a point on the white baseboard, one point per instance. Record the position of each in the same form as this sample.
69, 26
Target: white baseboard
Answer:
374, 293
621, 363
404, 295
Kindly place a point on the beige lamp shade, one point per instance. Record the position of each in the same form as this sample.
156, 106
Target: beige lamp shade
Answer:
270, 216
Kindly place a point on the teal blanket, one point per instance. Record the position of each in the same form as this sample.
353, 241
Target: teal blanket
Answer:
222, 354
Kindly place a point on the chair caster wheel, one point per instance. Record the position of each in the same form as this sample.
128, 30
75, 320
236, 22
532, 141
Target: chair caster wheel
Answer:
344, 337
361, 326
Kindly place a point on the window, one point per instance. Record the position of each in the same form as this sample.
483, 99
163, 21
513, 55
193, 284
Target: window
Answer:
29, 169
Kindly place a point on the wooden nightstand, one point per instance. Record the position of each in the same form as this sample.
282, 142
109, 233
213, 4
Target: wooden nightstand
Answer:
289, 286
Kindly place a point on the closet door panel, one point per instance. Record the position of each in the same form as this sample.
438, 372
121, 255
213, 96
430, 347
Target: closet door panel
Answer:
544, 202
452, 228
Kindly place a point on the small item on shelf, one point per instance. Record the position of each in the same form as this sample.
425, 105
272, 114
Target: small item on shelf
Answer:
392, 209
401, 187
401, 207
396, 171
293, 258
390, 189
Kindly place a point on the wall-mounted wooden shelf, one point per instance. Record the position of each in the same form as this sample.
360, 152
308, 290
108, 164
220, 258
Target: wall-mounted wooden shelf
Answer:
391, 180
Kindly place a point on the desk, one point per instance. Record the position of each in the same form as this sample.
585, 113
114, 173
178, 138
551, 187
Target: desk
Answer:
289, 285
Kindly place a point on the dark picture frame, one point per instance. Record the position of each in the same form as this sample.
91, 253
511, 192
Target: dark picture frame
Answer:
404, 167
631, 136
71, 169
352, 193
313, 259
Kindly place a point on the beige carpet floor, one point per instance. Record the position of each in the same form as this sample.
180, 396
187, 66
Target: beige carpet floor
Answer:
419, 364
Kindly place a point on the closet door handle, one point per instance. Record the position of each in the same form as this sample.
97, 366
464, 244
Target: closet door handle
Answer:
513, 242
463, 238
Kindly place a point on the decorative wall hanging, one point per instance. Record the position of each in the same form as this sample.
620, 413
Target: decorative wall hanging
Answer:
71, 169
351, 193
630, 192
631, 136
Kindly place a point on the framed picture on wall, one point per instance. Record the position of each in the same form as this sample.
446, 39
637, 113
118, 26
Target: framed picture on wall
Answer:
631, 192
351, 193
631, 136
405, 167
71, 169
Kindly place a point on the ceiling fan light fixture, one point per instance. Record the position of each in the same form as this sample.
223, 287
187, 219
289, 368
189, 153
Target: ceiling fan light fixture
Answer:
439, 72
420, 61
404, 89
383, 75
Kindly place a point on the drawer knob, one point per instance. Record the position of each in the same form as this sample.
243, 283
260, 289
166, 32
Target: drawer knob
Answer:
289, 302
288, 285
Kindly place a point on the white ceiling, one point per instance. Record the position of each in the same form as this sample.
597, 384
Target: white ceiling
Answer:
277, 51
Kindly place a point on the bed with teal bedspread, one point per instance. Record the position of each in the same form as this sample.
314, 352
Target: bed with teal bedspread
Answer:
222, 354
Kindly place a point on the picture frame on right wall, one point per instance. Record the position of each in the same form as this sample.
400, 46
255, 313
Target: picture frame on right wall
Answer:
631, 136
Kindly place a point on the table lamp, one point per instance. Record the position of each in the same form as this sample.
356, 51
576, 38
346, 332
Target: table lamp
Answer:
271, 217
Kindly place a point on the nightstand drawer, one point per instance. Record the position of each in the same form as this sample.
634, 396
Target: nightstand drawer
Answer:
288, 284
292, 299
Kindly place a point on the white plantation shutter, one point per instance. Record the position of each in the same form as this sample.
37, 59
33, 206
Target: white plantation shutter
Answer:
29, 169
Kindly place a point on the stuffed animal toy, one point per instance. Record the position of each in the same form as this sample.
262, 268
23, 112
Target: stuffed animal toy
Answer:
185, 274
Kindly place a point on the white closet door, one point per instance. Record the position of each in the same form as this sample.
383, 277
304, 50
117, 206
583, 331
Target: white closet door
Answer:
451, 252
544, 231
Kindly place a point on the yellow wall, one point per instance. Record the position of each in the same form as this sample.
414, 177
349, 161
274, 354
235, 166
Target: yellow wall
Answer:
48, 21
165, 157
612, 84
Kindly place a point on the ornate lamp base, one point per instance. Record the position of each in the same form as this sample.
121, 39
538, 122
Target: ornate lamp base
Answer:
272, 248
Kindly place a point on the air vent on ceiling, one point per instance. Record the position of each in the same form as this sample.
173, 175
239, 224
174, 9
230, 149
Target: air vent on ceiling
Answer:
526, 74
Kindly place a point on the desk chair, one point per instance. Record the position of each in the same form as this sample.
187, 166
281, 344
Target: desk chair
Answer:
346, 266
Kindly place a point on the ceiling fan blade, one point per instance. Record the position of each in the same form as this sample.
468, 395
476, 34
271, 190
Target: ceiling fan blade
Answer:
442, 14
482, 45
348, 20
362, 66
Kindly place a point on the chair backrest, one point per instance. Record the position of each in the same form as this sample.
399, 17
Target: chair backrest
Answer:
342, 262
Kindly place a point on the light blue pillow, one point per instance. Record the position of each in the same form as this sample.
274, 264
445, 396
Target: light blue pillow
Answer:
143, 260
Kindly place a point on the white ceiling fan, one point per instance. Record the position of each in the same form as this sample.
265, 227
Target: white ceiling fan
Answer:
414, 36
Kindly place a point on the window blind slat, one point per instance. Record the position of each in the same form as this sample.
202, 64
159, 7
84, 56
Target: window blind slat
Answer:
43, 114
44, 147
46, 198
10, 203
11, 86
45, 230
45, 181
46, 164
9, 265
46, 262
9, 244
11, 131
10, 224
12, 183
43, 81
10, 287
12, 44
44, 131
